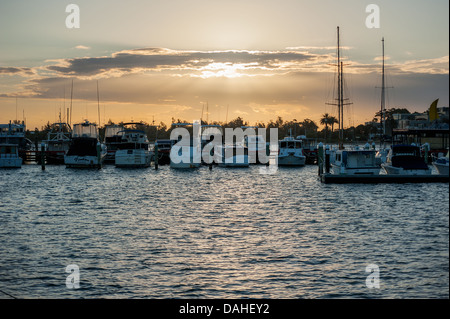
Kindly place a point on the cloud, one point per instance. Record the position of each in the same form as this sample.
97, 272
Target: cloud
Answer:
25, 72
82, 47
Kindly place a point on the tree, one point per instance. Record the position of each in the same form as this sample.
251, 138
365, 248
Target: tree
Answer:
325, 120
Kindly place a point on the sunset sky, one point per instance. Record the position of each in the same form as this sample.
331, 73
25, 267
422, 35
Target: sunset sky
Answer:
259, 59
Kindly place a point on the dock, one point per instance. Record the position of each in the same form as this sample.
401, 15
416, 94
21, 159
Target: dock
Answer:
382, 179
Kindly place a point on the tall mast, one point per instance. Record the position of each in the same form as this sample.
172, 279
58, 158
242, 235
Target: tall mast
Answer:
98, 106
71, 96
383, 98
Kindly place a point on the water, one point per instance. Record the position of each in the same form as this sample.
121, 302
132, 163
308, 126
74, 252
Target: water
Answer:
225, 233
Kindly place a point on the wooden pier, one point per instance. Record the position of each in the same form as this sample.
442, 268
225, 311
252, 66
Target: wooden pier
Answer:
382, 179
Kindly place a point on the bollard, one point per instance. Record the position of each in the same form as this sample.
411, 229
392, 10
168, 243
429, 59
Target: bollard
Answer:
43, 156
320, 158
156, 155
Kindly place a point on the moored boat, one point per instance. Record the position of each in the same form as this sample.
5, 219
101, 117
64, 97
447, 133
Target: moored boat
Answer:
441, 164
405, 160
9, 156
85, 151
291, 152
133, 151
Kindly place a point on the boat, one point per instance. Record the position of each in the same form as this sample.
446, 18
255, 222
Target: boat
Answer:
405, 159
231, 155
185, 154
14, 133
133, 149
441, 164
309, 148
164, 147
85, 150
57, 143
9, 156
355, 162
112, 140
291, 152
255, 144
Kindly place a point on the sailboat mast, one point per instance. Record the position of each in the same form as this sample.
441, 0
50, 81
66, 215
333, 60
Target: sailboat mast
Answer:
98, 105
383, 97
340, 91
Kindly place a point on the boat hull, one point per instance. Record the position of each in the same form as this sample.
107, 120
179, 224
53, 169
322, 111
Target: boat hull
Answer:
291, 160
75, 161
442, 169
13, 162
394, 170
339, 170
132, 158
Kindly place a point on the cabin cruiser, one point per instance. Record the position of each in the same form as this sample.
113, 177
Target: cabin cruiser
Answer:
354, 162
231, 155
133, 151
441, 165
85, 151
405, 160
112, 140
9, 156
291, 152
58, 143
14, 133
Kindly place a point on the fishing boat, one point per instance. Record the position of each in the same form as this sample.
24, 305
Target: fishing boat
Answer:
57, 143
133, 150
405, 160
185, 153
85, 150
9, 156
291, 152
355, 162
112, 140
231, 155
441, 164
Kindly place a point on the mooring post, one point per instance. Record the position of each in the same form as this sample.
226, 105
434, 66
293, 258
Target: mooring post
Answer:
43, 156
320, 158
327, 159
99, 155
156, 155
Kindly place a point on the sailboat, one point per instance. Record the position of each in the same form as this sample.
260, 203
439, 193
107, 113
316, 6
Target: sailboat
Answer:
349, 161
185, 154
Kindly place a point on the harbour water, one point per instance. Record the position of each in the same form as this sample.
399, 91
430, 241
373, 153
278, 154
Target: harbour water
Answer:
225, 233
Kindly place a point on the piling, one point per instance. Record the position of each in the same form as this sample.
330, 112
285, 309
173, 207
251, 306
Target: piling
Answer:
156, 155
320, 158
327, 159
99, 155
43, 156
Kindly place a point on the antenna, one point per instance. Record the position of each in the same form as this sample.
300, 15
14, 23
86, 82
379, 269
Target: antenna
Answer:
226, 118
71, 95
98, 105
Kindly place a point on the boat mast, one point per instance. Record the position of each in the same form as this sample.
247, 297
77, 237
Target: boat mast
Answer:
98, 106
383, 99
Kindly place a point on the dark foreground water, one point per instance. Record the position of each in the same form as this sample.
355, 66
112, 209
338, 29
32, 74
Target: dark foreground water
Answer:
225, 233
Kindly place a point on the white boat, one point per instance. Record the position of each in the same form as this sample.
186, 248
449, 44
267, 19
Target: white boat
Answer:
354, 162
441, 165
405, 160
133, 149
231, 155
14, 133
185, 154
112, 140
9, 156
291, 152
85, 151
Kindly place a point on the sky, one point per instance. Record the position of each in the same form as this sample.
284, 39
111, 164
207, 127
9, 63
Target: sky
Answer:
216, 59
